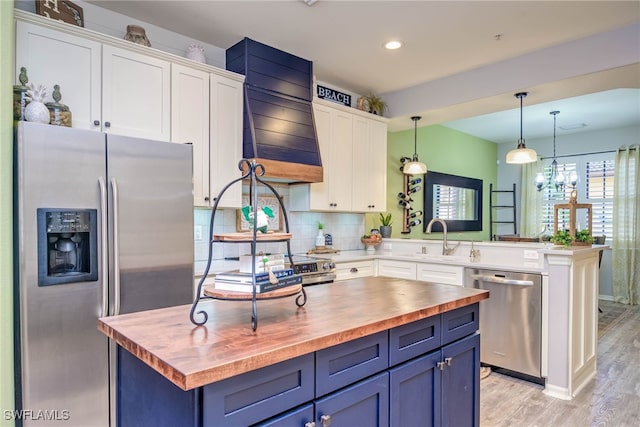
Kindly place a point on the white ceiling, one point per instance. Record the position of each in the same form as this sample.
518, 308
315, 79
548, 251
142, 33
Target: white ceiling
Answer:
441, 39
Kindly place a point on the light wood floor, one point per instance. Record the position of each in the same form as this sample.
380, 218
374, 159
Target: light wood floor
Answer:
611, 400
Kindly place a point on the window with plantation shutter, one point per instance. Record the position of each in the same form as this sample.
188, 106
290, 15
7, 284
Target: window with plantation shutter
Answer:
599, 179
595, 186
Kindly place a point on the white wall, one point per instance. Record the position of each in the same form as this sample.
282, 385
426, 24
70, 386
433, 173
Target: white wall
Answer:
575, 143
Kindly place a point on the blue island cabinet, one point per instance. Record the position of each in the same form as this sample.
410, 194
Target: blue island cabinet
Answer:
424, 373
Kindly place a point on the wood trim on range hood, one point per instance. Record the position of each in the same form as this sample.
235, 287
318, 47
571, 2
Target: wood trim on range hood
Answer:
289, 172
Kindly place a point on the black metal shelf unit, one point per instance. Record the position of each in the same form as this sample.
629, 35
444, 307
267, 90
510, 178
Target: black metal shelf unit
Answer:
252, 171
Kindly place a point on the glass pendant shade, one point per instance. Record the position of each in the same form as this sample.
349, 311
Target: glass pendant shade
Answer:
415, 166
522, 154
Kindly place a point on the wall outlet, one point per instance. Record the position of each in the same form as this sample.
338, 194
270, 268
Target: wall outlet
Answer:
386, 246
531, 254
197, 232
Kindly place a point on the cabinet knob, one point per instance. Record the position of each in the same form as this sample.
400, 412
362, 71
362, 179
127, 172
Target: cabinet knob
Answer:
206, 199
96, 122
310, 424
107, 124
448, 360
215, 199
354, 270
440, 365
325, 420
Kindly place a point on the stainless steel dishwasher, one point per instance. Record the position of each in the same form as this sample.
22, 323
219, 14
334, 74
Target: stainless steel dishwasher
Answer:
510, 320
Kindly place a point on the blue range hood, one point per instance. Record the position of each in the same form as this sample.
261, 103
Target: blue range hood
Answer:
279, 129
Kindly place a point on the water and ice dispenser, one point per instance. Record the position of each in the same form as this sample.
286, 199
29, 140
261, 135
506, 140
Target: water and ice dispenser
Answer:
67, 246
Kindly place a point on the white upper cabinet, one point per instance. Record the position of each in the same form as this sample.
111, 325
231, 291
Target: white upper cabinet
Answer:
136, 94
190, 123
353, 148
369, 165
75, 64
226, 139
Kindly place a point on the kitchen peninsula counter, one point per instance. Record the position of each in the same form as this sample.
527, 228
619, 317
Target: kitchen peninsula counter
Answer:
191, 356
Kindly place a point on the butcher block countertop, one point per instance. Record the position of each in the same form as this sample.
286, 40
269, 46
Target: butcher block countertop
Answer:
193, 356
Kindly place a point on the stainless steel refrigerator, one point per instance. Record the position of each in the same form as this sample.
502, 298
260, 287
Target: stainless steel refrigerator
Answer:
104, 227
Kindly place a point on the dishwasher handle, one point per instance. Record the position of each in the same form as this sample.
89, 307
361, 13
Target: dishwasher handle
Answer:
502, 280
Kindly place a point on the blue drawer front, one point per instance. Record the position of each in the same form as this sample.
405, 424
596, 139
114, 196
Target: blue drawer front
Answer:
270, 68
413, 339
415, 392
347, 363
363, 404
257, 395
459, 323
295, 418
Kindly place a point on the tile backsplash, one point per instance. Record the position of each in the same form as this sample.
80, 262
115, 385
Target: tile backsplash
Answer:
345, 228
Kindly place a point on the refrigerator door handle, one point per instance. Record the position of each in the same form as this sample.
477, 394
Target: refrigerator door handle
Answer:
116, 248
104, 247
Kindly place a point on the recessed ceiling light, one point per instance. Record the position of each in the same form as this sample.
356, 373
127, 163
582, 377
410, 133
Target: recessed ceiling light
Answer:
393, 44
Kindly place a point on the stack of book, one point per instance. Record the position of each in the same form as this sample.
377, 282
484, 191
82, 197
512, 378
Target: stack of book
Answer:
263, 263
243, 282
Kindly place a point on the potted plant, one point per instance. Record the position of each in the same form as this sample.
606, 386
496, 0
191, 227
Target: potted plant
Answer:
376, 104
564, 238
385, 228
320, 235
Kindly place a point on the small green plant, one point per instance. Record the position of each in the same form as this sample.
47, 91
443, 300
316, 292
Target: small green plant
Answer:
385, 219
320, 225
376, 104
562, 237
584, 236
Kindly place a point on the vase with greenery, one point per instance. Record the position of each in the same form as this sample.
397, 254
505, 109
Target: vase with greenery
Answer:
385, 227
320, 236
375, 104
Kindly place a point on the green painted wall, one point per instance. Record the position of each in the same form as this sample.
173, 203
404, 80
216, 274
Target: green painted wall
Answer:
443, 150
6, 219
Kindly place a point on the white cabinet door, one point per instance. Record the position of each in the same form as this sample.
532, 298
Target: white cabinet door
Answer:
52, 57
136, 92
225, 148
335, 138
397, 269
190, 123
440, 273
369, 165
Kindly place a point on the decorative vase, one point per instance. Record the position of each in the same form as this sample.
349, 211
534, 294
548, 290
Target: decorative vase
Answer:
385, 231
320, 239
36, 111
195, 52
137, 34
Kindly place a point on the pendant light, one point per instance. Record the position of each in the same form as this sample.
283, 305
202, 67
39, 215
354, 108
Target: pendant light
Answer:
522, 154
415, 167
557, 178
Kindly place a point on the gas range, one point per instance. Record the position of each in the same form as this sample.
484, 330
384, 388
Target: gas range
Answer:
314, 271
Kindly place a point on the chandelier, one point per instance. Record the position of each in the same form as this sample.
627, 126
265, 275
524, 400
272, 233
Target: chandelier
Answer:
556, 178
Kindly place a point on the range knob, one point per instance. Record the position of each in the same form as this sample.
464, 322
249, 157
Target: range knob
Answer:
328, 265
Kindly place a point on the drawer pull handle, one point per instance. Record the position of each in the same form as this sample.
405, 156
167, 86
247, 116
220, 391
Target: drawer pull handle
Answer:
448, 360
440, 365
96, 122
353, 270
310, 424
325, 420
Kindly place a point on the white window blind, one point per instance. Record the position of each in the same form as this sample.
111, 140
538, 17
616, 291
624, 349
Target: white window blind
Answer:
595, 186
600, 178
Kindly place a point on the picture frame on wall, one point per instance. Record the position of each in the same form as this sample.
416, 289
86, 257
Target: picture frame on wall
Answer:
61, 10
275, 224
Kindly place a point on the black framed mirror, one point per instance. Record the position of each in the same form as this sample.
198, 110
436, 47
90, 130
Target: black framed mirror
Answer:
455, 199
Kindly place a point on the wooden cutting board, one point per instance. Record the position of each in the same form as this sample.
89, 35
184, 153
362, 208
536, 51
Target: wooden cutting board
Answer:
248, 236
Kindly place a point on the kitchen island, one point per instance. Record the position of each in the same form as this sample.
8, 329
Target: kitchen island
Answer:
347, 355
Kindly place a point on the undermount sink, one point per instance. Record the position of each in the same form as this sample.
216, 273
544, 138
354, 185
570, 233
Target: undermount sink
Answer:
438, 257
